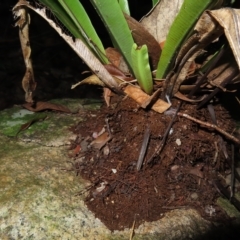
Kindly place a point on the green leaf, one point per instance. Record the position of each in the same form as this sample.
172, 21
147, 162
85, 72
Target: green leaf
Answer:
180, 29
113, 18
141, 67
73, 16
83, 23
154, 2
206, 65
124, 6
64, 18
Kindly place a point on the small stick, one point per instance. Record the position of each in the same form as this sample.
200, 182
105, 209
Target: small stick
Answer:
126, 82
232, 173
108, 128
162, 143
132, 229
238, 100
216, 152
212, 113
204, 76
216, 90
207, 124
143, 148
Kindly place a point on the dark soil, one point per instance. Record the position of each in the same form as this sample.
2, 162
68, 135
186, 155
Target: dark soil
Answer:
182, 176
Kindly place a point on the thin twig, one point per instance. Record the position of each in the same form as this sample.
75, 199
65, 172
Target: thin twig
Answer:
216, 153
232, 173
212, 113
108, 128
227, 80
238, 100
132, 229
204, 76
162, 143
207, 124
143, 148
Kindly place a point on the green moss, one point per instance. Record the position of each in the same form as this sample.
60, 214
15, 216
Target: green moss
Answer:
228, 208
12, 119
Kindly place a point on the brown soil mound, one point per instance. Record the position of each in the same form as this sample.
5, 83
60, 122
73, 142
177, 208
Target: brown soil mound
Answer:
182, 176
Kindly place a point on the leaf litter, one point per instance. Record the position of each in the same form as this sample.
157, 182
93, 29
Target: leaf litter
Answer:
185, 174
41, 106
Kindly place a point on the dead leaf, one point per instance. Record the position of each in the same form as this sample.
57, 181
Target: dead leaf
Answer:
113, 70
192, 69
40, 106
206, 31
100, 141
220, 72
28, 81
141, 36
152, 99
196, 170
159, 20
179, 95
25, 126
182, 74
229, 19
117, 59
107, 95
77, 150
140, 97
113, 56
97, 134
116, 72
93, 79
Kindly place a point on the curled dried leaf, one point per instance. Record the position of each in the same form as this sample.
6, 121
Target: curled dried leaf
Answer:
28, 81
100, 141
117, 59
40, 106
184, 98
116, 72
25, 126
93, 79
107, 93
140, 97
228, 18
160, 19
